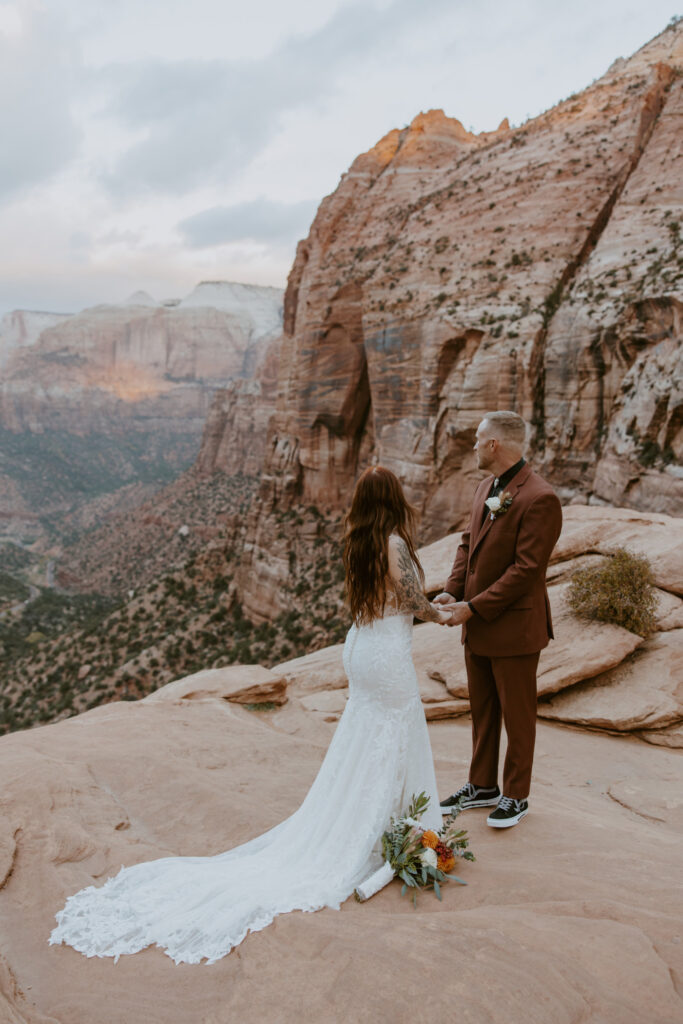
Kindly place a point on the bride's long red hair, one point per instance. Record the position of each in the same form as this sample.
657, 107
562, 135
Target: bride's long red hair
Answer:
378, 508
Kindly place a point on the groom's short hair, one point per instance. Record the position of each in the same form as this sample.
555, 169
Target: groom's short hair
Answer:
507, 426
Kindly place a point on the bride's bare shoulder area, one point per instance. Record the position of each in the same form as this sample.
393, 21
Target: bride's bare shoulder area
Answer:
397, 549
401, 566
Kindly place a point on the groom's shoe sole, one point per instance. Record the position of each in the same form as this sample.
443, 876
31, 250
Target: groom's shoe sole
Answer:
465, 806
507, 822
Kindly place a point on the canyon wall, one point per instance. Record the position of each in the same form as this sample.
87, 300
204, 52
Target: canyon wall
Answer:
114, 396
22, 328
536, 268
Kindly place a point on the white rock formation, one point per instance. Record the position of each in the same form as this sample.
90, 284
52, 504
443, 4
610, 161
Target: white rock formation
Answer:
22, 327
261, 305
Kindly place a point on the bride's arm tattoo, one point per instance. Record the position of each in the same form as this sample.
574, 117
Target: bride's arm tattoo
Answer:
408, 590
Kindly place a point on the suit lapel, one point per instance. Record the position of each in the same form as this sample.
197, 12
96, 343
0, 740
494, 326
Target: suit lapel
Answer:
478, 512
513, 487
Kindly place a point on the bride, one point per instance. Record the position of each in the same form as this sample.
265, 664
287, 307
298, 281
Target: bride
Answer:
198, 908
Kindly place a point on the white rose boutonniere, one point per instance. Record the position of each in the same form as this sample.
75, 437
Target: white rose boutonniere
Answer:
497, 506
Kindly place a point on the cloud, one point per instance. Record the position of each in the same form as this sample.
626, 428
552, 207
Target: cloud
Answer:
202, 122
39, 67
259, 220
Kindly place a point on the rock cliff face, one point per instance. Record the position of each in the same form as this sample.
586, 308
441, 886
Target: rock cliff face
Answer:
119, 394
22, 328
537, 269
96, 365
236, 429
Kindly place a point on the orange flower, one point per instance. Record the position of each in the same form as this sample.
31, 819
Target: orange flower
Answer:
430, 839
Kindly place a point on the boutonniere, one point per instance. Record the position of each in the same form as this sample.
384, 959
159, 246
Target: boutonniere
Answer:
497, 506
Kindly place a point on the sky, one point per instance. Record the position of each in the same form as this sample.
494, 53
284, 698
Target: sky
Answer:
150, 145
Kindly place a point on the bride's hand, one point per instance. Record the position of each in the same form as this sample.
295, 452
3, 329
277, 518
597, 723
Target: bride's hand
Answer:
443, 613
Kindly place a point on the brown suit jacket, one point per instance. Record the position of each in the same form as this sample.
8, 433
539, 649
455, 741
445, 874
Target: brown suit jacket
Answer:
500, 568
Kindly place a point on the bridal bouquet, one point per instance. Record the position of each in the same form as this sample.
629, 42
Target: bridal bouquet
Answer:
421, 858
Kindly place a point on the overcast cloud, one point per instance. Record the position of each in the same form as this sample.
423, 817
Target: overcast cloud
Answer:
257, 220
151, 145
39, 133
226, 111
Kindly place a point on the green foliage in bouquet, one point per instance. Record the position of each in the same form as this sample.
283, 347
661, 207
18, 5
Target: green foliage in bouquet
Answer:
422, 858
620, 591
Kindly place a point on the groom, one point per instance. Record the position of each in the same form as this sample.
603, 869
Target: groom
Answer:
497, 591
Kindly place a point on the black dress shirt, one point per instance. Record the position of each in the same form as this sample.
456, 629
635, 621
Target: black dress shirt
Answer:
501, 482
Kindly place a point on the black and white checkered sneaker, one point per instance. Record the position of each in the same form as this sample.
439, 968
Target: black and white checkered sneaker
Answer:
508, 812
471, 796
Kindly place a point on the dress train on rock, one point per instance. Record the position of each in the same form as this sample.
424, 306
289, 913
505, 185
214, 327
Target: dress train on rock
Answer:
199, 908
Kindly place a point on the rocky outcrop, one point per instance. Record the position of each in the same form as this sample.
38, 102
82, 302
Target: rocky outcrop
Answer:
243, 684
449, 273
601, 530
643, 692
555, 904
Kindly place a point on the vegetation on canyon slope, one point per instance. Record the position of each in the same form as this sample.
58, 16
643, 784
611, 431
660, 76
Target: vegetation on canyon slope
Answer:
186, 620
128, 551
59, 471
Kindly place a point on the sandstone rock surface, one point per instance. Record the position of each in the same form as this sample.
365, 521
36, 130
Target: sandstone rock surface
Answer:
437, 559
244, 684
601, 530
554, 905
581, 649
645, 691
320, 670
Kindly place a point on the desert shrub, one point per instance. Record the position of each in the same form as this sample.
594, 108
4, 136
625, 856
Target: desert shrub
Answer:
620, 591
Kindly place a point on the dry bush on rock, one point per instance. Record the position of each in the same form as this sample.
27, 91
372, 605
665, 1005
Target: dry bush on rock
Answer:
620, 591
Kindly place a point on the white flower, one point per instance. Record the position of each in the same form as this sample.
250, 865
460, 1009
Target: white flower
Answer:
493, 504
413, 823
428, 857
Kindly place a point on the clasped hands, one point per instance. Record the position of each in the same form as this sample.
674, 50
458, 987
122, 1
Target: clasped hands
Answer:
451, 612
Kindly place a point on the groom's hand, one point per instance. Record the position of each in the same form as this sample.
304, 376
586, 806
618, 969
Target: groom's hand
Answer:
460, 612
447, 604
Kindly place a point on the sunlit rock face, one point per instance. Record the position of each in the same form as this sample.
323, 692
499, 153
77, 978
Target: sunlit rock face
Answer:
117, 395
449, 274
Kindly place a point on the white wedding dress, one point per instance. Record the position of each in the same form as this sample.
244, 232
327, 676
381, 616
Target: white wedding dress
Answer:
198, 908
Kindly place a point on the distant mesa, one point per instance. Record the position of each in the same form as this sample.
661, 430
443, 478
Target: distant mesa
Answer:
140, 298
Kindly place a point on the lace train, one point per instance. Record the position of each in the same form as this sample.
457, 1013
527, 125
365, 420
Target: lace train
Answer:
198, 908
